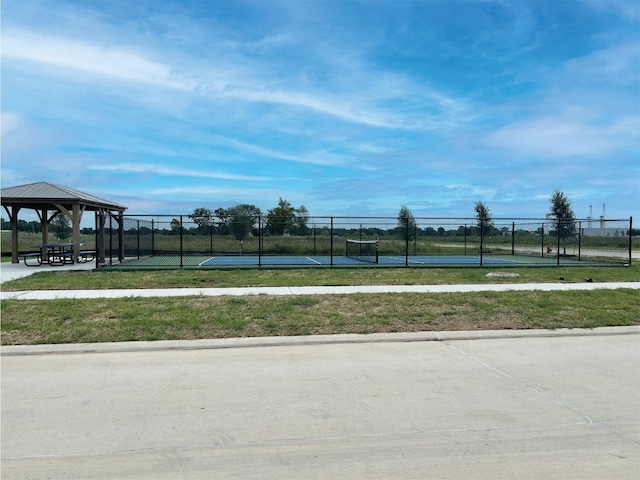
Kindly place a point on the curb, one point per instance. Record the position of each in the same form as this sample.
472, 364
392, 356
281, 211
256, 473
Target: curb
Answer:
340, 339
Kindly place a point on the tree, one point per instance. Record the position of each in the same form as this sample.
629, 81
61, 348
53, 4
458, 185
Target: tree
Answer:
175, 226
483, 218
565, 225
241, 220
281, 218
203, 217
301, 220
223, 215
407, 223
61, 226
286, 219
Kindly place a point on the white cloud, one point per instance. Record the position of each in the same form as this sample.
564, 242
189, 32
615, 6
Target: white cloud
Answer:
11, 121
626, 8
558, 136
92, 58
317, 158
336, 107
618, 65
172, 171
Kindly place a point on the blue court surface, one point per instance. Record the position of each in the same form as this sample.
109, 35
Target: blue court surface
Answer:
274, 260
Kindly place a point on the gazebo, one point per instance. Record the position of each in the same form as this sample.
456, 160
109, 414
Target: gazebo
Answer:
49, 201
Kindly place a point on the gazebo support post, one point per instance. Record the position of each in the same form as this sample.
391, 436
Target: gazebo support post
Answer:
75, 215
13, 219
100, 220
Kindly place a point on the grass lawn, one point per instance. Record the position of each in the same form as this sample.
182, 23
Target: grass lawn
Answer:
131, 319
277, 277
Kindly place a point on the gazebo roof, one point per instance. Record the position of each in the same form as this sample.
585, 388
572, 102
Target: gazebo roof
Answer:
45, 195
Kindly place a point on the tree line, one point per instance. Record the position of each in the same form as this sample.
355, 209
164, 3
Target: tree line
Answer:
240, 221
561, 215
60, 226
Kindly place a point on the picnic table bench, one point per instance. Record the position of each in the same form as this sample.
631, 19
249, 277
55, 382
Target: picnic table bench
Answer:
36, 255
55, 254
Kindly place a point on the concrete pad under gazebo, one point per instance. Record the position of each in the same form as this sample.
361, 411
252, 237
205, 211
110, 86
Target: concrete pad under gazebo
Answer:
44, 197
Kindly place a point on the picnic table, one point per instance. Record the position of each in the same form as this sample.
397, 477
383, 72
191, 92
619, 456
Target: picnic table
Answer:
55, 254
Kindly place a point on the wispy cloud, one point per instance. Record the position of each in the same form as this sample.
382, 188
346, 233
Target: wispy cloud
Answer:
170, 171
615, 65
317, 158
556, 137
91, 58
11, 121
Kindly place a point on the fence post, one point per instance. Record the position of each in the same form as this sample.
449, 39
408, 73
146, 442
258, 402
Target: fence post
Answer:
406, 242
481, 239
630, 237
558, 235
513, 238
110, 240
331, 243
181, 246
153, 237
579, 241
465, 239
259, 241
138, 223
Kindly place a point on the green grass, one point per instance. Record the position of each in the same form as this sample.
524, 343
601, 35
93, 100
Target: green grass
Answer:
133, 319
313, 277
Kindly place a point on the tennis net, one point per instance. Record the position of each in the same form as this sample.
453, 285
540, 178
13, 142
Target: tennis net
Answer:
363, 250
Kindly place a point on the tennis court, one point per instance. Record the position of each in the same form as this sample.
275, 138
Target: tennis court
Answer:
222, 261
343, 260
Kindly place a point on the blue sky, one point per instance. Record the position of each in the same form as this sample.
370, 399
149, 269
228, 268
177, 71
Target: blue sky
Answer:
345, 107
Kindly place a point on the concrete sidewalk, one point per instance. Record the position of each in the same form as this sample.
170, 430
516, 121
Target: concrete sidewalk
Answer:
12, 271
318, 290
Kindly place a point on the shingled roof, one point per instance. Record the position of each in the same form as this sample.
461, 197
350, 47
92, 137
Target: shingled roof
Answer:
44, 194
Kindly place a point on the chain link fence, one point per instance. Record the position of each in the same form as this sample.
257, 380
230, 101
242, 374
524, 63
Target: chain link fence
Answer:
179, 241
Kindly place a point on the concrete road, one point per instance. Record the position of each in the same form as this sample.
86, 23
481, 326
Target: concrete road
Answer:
538, 408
